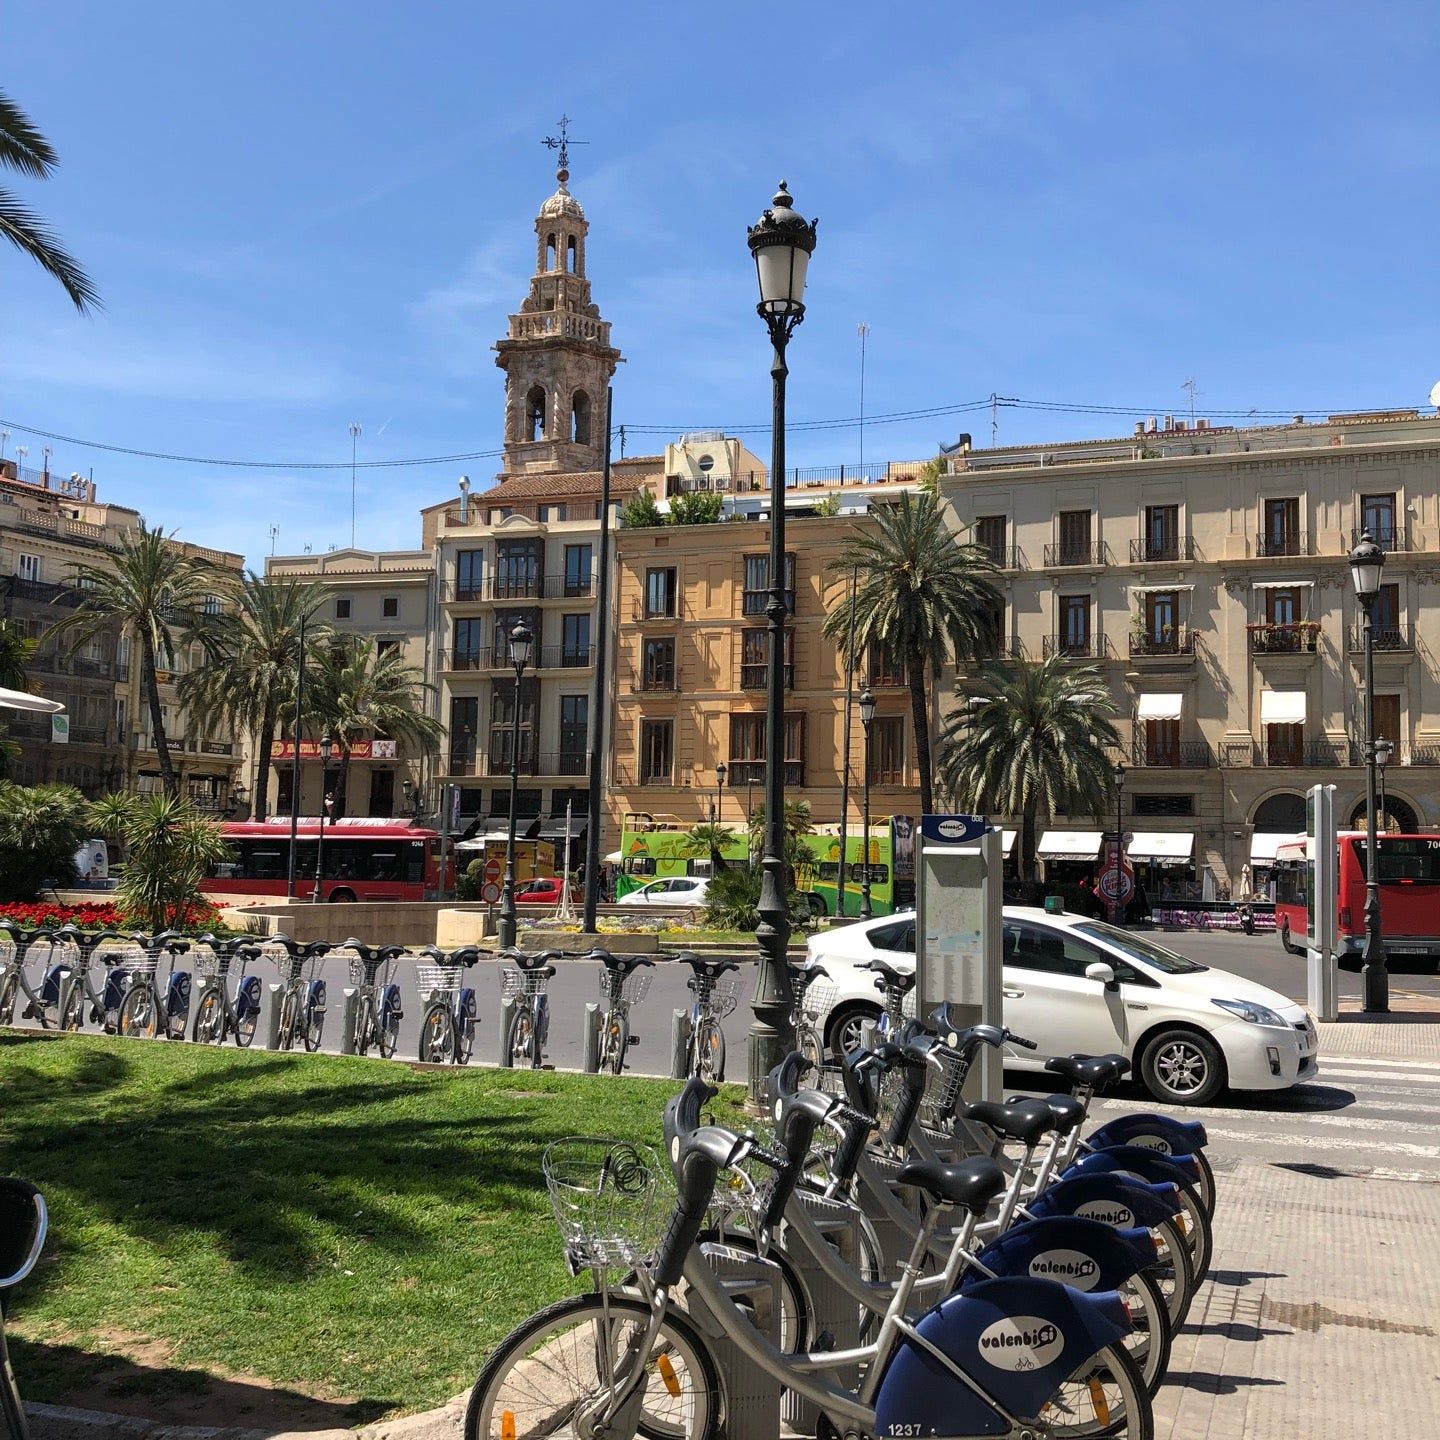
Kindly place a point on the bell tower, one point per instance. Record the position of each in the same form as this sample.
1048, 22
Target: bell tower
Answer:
557, 355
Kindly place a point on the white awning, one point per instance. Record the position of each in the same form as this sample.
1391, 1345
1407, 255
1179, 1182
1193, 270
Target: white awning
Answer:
1281, 584
1152, 589
1069, 845
35, 704
614, 858
1158, 707
1282, 707
1160, 845
1264, 846
1007, 841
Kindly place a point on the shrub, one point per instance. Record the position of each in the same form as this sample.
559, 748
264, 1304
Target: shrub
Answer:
733, 898
469, 881
170, 848
641, 512
41, 828
695, 507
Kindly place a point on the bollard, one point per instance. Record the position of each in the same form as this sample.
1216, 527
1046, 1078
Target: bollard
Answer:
680, 1045
349, 1009
272, 1018
591, 1051
507, 1013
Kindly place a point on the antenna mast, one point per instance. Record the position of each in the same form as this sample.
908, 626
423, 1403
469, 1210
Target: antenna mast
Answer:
862, 330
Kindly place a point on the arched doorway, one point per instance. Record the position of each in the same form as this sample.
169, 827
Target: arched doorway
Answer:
1393, 817
1280, 815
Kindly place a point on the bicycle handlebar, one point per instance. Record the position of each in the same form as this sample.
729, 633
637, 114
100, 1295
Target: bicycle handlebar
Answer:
702, 965
371, 954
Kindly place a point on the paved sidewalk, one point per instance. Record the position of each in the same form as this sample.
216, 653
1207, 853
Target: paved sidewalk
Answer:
1410, 1031
1322, 1316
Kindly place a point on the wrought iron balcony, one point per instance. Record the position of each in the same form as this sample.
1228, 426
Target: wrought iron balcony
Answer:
1279, 543
754, 676
1144, 645
1391, 538
501, 588
1281, 752
1074, 552
1298, 637
1072, 647
1005, 557
1176, 755
1387, 637
1148, 550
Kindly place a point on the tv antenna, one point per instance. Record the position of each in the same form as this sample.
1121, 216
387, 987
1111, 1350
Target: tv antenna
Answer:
562, 142
996, 401
862, 330
274, 531
1190, 386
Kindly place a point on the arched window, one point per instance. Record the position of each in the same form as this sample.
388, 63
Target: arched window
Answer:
1394, 817
1280, 815
551, 252
580, 418
535, 412
570, 253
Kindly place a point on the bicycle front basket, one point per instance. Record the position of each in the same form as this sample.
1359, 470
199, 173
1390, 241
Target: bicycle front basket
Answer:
611, 1199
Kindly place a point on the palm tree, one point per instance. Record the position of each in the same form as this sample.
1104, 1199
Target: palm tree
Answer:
247, 678
1032, 742
922, 596
356, 689
16, 651
156, 594
24, 149
709, 840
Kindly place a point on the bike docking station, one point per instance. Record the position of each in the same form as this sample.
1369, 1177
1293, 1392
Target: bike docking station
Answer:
274, 992
680, 1029
590, 1039
1322, 990
349, 1013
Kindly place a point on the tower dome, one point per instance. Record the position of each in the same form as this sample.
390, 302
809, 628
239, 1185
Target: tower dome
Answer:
562, 203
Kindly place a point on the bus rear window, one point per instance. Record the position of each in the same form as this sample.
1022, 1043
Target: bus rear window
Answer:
1412, 859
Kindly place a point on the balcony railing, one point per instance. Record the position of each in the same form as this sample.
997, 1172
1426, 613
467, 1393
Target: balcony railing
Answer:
1279, 543
44, 591
1073, 647
548, 657
1387, 637
751, 773
1179, 642
755, 602
1004, 648
1074, 552
545, 762
1179, 755
20, 726
656, 679
1393, 538
882, 775
530, 587
1147, 550
1315, 754
753, 676
1005, 557
1298, 637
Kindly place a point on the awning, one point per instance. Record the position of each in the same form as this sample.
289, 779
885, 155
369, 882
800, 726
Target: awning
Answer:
1158, 707
491, 837
1264, 846
1154, 589
1069, 845
1160, 845
554, 827
35, 704
1281, 584
614, 858
1007, 841
1282, 707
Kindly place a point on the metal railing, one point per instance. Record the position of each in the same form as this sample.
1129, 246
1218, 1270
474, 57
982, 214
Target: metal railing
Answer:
1279, 543
547, 657
1316, 754
544, 762
1004, 648
1180, 642
532, 587
1147, 550
1387, 637
1004, 557
1297, 637
1074, 552
44, 591
1085, 647
1395, 538
754, 676
1179, 755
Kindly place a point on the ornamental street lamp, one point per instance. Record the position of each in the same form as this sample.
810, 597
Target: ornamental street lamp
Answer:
521, 644
867, 716
1117, 913
1384, 749
719, 789
326, 748
781, 243
1367, 564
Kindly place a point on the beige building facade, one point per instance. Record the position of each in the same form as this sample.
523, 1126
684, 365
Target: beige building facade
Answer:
1204, 570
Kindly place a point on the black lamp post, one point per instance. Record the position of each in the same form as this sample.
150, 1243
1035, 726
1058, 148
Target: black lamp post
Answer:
521, 643
1118, 913
326, 748
867, 715
719, 789
1384, 749
781, 243
1367, 563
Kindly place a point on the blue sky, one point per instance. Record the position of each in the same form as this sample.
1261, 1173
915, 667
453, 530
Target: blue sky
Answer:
306, 214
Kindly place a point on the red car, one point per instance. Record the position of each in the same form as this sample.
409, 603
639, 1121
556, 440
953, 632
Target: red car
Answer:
545, 891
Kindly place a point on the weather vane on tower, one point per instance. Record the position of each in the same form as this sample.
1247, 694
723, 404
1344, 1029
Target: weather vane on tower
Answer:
562, 143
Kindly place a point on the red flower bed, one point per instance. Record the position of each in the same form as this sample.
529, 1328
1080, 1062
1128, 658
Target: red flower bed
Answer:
46, 914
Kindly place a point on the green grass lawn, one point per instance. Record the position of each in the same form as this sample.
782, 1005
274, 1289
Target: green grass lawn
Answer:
343, 1227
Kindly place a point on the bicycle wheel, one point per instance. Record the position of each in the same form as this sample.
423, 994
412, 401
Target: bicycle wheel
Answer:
289, 1017
73, 1013
808, 1043
1103, 1396
521, 1041
389, 1039
1199, 1236
140, 1011
210, 1017
465, 1043
314, 1027
364, 1024
796, 1321
544, 1377
1206, 1184
437, 1034
9, 988
618, 1036
245, 1028
1148, 1344
1172, 1271
710, 1052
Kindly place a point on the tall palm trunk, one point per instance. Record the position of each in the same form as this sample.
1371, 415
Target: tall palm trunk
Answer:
1029, 843
262, 765
157, 716
342, 790
920, 717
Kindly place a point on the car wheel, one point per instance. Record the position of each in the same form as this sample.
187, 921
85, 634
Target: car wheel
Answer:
816, 904
1183, 1067
1285, 939
843, 1033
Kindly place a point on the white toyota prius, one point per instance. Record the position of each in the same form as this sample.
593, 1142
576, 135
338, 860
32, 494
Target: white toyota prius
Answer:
1076, 985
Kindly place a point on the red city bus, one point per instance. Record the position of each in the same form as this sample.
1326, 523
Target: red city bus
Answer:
364, 860
1408, 871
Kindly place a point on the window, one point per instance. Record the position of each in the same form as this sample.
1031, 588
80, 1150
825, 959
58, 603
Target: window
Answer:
580, 415
886, 759
468, 651
211, 605
756, 595
659, 664
1282, 606
469, 571
518, 568
579, 561
1387, 718
899, 936
755, 658
1386, 621
657, 751
1162, 621
502, 724
575, 639
382, 800
550, 514
1162, 742
1284, 744
574, 734
990, 536
1050, 952
342, 609
385, 645
390, 607
1075, 636
884, 666
527, 803
27, 566
1152, 805
1075, 547
1281, 535
535, 413
660, 593
505, 623
464, 719
1377, 515
747, 749
991, 640
1162, 532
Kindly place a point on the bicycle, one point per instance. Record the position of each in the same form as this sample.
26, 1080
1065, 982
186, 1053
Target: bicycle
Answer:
23, 1224
145, 1012
447, 1025
54, 994
623, 985
378, 1008
524, 985
812, 1003
105, 1002
302, 992
715, 998
218, 1013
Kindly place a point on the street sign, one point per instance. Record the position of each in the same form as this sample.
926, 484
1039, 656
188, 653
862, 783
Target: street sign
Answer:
493, 871
490, 893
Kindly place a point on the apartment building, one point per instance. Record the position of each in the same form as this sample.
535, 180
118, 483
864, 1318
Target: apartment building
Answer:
1204, 569
103, 741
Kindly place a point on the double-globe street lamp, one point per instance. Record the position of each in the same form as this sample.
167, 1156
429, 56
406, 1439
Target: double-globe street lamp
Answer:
327, 747
720, 773
1367, 564
521, 644
867, 716
781, 243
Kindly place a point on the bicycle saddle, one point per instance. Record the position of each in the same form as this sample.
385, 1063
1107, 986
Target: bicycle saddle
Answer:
23, 1222
971, 1183
888, 976
1027, 1121
1069, 1112
1094, 1071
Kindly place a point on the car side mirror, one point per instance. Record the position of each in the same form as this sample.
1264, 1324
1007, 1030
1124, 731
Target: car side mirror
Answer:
1102, 973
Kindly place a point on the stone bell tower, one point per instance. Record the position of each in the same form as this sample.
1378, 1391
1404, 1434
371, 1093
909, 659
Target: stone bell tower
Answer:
557, 356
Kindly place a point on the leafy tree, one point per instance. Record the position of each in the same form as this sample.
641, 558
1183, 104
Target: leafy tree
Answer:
732, 901
641, 512
695, 507
922, 595
355, 690
25, 150
1032, 742
247, 678
41, 828
709, 841
155, 593
170, 848
16, 652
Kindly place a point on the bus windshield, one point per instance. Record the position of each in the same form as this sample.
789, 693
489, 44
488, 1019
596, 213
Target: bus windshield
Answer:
1403, 859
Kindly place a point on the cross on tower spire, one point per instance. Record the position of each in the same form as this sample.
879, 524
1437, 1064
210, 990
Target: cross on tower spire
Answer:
562, 142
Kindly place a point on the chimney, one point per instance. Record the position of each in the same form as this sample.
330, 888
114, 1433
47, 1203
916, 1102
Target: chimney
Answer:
1150, 425
1180, 425
1169, 422
1139, 427
464, 483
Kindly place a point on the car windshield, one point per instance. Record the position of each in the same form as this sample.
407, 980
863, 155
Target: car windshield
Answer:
1138, 948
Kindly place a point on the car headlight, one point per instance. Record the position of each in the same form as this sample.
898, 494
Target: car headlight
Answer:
1249, 1010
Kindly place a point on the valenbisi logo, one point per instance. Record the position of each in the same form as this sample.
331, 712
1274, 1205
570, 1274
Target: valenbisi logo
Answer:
1107, 1212
951, 829
1069, 1267
1152, 1142
1021, 1342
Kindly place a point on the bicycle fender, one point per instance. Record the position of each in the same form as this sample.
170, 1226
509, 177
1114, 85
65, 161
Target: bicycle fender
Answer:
247, 997
1161, 1133
1144, 1164
467, 1002
1109, 1198
390, 1000
1083, 1254
177, 993
1018, 1339
315, 995
50, 988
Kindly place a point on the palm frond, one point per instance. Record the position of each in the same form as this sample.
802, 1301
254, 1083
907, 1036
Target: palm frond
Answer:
22, 146
28, 233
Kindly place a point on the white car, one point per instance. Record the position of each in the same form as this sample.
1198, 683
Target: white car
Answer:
1076, 985
679, 892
